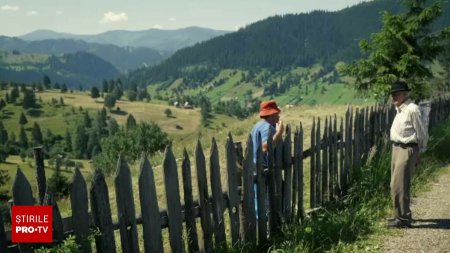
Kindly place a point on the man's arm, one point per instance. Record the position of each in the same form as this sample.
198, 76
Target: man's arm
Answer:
279, 128
421, 132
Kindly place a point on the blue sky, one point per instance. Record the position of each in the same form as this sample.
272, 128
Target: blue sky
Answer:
18, 17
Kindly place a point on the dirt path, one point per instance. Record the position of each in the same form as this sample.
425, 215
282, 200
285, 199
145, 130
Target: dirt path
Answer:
431, 229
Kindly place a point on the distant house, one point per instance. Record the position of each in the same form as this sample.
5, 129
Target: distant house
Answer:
187, 105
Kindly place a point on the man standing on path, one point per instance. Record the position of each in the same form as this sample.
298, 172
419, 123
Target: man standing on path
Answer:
409, 137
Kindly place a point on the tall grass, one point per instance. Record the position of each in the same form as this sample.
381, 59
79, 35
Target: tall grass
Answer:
344, 226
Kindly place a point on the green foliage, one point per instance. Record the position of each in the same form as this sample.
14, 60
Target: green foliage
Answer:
131, 122
46, 81
58, 184
401, 50
23, 139
131, 143
22, 119
168, 112
95, 93
29, 99
37, 134
110, 101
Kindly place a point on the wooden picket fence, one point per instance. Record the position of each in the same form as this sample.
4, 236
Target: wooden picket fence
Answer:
338, 148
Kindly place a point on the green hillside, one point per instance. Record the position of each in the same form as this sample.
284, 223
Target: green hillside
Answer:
78, 69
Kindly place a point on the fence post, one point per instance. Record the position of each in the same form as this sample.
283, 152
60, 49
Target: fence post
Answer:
149, 208
101, 212
287, 165
173, 201
217, 196
261, 194
58, 230
79, 204
189, 214
325, 153
299, 161
3, 242
125, 207
318, 173
248, 214
205, 212
233, 194
312, 180
40, 173
22, 196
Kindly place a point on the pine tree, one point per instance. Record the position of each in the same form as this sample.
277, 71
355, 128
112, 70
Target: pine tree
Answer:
401, 50
3, 133
46, 81
95, 93
113, 127
68, 141
87, 121
37, 134
23, 139
29, 99
131, 122
64, 88
22, 119
80, 142
93, 143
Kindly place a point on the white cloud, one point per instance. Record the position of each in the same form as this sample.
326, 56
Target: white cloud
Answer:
172, 19
111, 17
32, 13
59, 13
10, 8
158, 26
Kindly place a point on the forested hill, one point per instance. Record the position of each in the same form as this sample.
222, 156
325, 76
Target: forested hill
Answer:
283, 41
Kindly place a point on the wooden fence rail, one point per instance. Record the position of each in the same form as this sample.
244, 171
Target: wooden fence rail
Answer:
338, 148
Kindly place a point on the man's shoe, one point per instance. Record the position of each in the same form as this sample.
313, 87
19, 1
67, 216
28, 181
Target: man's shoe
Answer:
396, 223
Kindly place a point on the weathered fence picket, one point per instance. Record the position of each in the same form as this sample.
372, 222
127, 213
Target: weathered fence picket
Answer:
125, 208
80, 206
217, 198
173, 201
205, 211
248, 196
40, 173
335, 154
233, 194
150, 209
101, 212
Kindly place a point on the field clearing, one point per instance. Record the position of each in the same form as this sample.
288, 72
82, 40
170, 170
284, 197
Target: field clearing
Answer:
141, 111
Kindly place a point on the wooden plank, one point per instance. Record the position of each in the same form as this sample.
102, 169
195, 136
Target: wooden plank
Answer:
261, 195
312, 181
233, 192
350, 146
58, 230
278, 194
271, 181
22, 196
189, 211
301, 204
101, 212
173, 201
3, 241
287, 168
325, 154
205, 211
248, 204
217, 200
348, 152
356, 147
295, 169
40, 173
335, 160
318, 165
80, 205
125, 207
148, 197
342, 174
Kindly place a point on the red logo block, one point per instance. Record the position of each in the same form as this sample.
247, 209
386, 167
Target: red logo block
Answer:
31, 224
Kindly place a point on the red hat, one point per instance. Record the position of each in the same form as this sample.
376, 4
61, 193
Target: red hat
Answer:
268, 108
